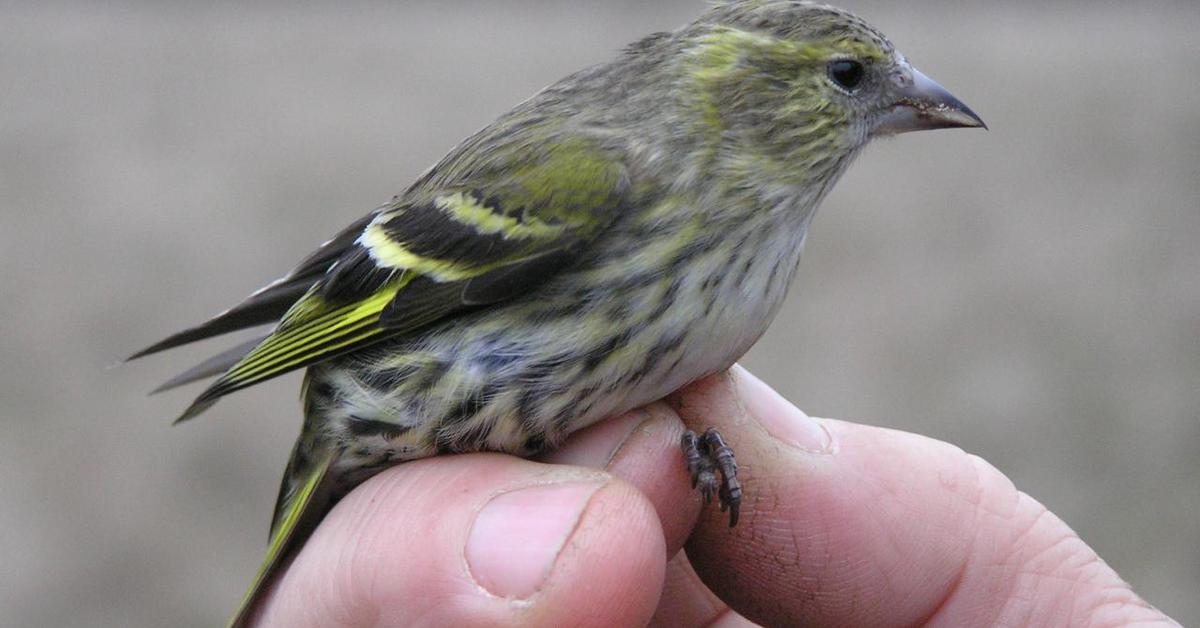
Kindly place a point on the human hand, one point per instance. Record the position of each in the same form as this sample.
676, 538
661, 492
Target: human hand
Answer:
842, 524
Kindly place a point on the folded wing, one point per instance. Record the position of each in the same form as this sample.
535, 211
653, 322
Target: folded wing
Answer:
418, 262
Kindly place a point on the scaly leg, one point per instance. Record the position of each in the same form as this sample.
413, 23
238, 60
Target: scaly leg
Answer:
706, 455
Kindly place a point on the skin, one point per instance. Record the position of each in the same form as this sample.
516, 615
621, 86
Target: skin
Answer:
845, 525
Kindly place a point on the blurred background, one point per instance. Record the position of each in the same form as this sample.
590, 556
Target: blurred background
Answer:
1031, 294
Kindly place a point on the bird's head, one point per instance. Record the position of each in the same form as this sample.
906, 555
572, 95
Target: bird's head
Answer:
801, 87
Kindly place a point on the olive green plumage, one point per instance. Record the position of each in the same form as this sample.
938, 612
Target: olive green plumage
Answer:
627, 230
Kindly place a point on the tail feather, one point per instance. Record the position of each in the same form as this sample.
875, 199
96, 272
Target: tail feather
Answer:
305, 497
211, 367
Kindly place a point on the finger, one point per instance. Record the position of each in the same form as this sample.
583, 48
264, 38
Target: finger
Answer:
845, 524
686, 601
642, 448
478, 540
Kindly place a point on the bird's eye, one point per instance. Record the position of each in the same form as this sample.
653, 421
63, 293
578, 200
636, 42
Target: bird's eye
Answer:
848, 74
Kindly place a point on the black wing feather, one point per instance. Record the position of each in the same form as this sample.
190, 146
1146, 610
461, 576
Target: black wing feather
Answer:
271, 303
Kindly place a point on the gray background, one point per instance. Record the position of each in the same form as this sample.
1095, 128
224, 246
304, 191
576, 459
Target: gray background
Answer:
1030, 294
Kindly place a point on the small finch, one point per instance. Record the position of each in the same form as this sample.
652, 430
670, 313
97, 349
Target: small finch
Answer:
628, 230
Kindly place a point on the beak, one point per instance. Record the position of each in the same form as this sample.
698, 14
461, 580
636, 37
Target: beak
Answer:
924, 105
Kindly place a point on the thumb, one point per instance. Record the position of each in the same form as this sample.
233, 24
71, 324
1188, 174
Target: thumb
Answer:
477, 540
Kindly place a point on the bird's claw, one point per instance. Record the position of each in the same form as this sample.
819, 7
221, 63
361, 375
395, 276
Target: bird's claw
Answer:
706, 455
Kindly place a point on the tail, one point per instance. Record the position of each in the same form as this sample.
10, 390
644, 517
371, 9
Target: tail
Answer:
304, 498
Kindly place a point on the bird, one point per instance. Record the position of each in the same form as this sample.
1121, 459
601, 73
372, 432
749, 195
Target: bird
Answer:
627, 230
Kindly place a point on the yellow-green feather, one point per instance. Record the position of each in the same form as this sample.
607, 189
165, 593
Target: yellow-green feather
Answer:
468, 211
309, 327
575, 184
285, 530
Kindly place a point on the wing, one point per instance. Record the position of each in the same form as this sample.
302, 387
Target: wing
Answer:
483, 241
267, 305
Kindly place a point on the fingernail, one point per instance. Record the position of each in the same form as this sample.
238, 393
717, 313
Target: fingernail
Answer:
517, 536
596, 446
781, 419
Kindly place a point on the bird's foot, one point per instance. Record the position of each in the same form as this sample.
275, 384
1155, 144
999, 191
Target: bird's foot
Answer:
706, 455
